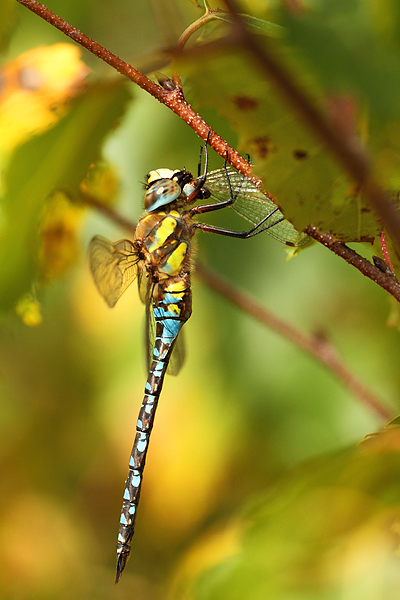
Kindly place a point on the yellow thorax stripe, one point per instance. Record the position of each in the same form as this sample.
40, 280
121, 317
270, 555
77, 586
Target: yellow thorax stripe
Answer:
164, 230
174, 263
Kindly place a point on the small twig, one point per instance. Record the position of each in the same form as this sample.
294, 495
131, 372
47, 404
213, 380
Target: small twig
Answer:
387, 282
348, 152
318, 348
108, 212
189, 31
385, 251
173, 99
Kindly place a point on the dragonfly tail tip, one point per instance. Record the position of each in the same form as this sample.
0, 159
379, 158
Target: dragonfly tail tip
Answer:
118, 575
121, 562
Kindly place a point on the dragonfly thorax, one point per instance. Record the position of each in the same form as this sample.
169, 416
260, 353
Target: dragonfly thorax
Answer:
163, 239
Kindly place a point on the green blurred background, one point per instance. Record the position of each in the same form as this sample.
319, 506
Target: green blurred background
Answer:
246, 412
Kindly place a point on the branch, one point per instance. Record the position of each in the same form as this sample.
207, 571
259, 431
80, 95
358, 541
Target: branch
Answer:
316, 347
172, 98
107, 212
385, 280
348, 152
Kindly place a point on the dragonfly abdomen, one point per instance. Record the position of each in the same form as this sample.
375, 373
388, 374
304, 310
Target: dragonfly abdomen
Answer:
171, 311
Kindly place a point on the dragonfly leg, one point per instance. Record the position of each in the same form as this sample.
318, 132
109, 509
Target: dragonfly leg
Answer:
232, 197
201, 179
198, 210
240, 234
205, 150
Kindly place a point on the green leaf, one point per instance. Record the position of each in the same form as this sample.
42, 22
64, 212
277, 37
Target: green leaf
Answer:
296, 169
352, 49
59, 158
346, 57
347, 51
329, 531
258, 25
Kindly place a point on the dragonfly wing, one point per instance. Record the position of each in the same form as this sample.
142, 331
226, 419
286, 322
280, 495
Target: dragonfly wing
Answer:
178, 355
143, 287
150, 329
113, 266
252, 205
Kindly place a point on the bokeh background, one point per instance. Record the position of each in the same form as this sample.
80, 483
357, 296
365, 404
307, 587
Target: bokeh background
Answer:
249, 417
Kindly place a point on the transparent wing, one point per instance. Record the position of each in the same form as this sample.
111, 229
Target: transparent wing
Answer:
150, 330
143, 287
252, 205
113, 266
178, 355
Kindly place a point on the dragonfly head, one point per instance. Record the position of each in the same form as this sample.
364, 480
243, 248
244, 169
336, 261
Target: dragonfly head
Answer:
165, 186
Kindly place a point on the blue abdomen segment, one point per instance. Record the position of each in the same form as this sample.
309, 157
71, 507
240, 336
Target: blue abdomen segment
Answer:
170, 313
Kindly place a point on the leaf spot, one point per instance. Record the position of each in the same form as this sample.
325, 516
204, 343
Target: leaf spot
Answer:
300, 154
245, 103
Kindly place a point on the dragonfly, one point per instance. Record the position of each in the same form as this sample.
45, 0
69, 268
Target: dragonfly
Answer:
159, 258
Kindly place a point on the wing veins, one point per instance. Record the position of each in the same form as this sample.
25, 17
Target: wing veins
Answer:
113, 266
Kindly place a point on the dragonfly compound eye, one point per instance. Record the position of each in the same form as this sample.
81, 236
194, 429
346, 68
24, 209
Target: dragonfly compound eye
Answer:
160, 193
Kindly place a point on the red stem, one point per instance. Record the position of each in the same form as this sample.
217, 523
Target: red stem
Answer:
386, 281
385, 251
